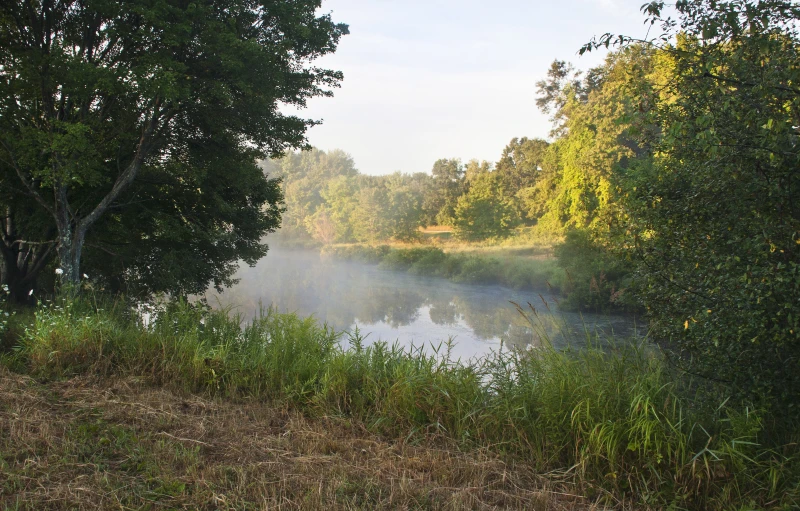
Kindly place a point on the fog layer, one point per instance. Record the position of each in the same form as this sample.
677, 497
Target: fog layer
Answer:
397, 307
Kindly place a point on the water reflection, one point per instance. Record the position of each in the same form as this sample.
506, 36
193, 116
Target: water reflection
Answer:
394, 306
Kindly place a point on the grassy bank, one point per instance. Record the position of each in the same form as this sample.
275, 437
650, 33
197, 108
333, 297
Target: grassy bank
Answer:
616, 427
121, 443
518, 268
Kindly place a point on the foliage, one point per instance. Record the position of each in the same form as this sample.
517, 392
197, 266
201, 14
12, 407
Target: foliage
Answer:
714, 221
446, 187
328, 199
597, 279
304, 176
615, 420
130, 130
599, 136
480, 269
486, 210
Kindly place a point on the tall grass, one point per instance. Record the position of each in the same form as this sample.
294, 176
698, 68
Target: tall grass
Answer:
617, 422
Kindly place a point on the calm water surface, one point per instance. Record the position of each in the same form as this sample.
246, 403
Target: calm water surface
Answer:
411, 310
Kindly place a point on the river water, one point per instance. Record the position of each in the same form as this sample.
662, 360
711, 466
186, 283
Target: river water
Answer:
411, 310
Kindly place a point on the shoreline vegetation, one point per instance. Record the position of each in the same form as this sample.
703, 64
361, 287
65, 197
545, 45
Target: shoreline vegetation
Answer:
465, 266
530, 267
143, 148
109, 390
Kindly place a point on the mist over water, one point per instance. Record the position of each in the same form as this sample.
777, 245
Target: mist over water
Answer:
411, 310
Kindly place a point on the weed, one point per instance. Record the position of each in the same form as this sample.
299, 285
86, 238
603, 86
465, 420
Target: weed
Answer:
617, 422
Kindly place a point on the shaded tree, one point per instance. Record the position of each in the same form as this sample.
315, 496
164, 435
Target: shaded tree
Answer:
98, 97
522, 162
440, 200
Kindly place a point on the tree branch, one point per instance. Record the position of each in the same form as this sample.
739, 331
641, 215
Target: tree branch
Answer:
41, 260
748, 84
107, 251
23, 242
129, 174
28, 185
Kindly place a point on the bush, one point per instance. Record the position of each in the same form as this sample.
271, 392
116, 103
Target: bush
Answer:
433, 261
403, 259
596, 280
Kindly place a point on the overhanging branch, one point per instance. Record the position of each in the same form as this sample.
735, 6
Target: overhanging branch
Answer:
129, 174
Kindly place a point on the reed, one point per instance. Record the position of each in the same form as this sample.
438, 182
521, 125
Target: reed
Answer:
617, 422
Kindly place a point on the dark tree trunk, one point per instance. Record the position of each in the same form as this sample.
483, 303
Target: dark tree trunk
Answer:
22, 262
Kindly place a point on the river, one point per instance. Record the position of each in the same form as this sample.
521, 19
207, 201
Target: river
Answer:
412, 310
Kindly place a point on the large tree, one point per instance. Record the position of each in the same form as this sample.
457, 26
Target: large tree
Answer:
138, 124
522, 163
447, 186
714, 218
486, 210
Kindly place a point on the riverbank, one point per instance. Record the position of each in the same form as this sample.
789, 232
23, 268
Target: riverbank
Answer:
516, 268
111, 443
198, 410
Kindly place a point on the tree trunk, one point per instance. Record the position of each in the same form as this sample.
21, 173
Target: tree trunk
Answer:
21, 261
70, 244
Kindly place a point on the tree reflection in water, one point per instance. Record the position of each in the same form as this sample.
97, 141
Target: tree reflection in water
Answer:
409, 309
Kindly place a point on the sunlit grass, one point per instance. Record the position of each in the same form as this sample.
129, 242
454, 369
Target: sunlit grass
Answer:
617, 421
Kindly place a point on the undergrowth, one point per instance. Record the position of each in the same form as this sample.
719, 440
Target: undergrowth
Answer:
513, 272
616, 421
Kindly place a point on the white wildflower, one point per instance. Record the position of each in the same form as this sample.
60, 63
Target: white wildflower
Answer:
85, 276
5, 288
30, 292
59, 271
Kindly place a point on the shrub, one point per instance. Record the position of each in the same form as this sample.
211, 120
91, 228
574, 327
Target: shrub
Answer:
596, 280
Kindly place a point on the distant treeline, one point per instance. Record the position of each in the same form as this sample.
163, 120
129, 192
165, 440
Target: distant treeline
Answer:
576, 181
602, 143
328, 199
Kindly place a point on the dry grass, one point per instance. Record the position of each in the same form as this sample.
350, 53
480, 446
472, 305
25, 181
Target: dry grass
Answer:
87, 443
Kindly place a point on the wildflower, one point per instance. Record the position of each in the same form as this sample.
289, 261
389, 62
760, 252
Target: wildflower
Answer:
5, 288
30, 292
85, 276
59, 271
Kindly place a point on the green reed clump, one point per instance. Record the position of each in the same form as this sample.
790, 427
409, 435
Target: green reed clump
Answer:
616, 421
517, 273
359, 253
404, 259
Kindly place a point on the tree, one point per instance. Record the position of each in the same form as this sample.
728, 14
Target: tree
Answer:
403, 207
136, 109
486, 210
714, 218
369, 222
596, 119
305, 175
341, 200
321, 227
448, 185
522, 162
475, 168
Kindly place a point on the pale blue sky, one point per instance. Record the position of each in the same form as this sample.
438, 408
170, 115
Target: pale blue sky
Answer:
429, 79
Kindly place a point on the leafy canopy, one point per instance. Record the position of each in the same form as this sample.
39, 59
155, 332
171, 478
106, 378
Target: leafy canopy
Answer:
713, 218
134, 127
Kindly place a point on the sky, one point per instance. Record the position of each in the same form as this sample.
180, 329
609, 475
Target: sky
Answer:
430, 79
